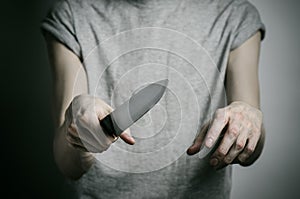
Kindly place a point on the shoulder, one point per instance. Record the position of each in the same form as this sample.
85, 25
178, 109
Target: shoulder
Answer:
79, 4
242, 6
229, 5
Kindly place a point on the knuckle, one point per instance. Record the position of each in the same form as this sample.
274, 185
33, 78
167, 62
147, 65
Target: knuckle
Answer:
254, 135
221, 151
256, 130
233, 131
239, 116
229, 108
239, 145
249, 150
251, 134
218, 113
248, 125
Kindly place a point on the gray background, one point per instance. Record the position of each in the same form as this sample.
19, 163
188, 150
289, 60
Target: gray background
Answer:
27, 163
276, 174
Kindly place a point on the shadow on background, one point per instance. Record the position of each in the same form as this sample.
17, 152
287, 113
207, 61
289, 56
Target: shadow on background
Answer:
27, 165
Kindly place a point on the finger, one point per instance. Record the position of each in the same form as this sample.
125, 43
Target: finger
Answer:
230, 146
73, 135
78, 147
216, 161
104, 111
232, 154
229, 139
77, 143
89, 148
221, 165
126, 137
238, 147
196, 146
90, 135
86, 146
111, 138
242, 139
91, 131
220, 120
72, 129
249, 149
74, 143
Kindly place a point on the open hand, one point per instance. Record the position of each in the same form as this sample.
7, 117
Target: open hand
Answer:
243, 126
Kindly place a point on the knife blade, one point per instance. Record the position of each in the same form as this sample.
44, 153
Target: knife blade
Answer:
133, 109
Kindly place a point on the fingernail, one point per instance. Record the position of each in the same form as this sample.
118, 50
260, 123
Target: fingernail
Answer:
214, 162
209, 142
132, 140
190, 149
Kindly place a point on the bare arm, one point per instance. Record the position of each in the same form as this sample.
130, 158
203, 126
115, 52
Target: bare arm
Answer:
76, 114
241, 120
243, 82
69, 80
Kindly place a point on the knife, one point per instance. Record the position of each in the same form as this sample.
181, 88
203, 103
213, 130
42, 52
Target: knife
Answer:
133, 109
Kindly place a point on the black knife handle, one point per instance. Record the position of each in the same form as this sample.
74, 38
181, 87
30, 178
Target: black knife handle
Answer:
109, 127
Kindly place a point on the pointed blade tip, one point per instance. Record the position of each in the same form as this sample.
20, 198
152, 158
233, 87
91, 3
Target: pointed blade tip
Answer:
163, 82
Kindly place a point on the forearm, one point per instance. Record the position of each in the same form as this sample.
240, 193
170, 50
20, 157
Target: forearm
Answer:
242, 83
71, 162
69, 80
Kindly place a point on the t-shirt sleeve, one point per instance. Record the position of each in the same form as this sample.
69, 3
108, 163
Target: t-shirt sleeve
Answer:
59, 22
247, 22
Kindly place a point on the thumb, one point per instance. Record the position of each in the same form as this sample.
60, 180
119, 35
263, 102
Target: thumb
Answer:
126, 137
196, 146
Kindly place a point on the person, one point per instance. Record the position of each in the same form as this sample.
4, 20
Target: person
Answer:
83, 37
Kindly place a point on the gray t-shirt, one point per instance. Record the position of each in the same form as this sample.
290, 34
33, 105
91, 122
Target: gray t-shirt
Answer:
126, 44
